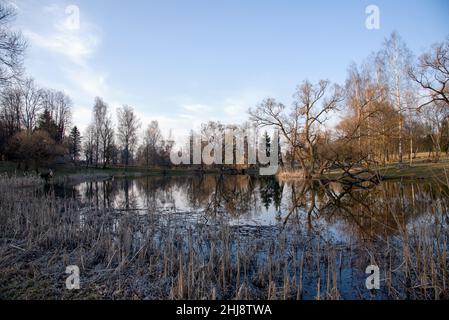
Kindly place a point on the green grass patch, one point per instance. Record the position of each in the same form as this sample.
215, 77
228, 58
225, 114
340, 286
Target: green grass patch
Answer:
416, 171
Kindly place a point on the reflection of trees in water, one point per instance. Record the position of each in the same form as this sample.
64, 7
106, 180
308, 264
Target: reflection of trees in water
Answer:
232, 195
127, 196
108, 193
368, 213
158, 192
270, 192
199, 190
386, 209
237, 193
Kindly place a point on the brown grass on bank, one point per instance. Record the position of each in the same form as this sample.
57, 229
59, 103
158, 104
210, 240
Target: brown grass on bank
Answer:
290, 174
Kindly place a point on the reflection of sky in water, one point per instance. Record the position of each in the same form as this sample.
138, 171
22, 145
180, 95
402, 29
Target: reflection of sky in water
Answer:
190, 197
175, 199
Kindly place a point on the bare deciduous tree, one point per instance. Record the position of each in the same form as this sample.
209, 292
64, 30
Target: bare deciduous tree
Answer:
398, 61
432, 74
89, 145
152, 143
59, 105
12, 47
104, 131
11, 109
435, 116
128, 125
301, 126
31, 99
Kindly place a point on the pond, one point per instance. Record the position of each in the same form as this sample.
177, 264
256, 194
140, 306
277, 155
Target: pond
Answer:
266, 239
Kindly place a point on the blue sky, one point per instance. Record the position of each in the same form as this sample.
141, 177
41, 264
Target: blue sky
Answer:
187, 62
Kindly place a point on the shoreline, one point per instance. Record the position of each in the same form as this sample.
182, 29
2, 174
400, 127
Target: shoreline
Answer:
420, 170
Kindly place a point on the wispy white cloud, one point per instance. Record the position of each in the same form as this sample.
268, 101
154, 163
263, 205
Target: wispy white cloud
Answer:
90, 82
77, 48
196, 108
76, 44
69, 51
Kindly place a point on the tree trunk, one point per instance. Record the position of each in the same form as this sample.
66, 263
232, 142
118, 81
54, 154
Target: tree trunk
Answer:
401, 124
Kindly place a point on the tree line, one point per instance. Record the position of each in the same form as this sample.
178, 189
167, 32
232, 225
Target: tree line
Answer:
391, 107
105, 145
